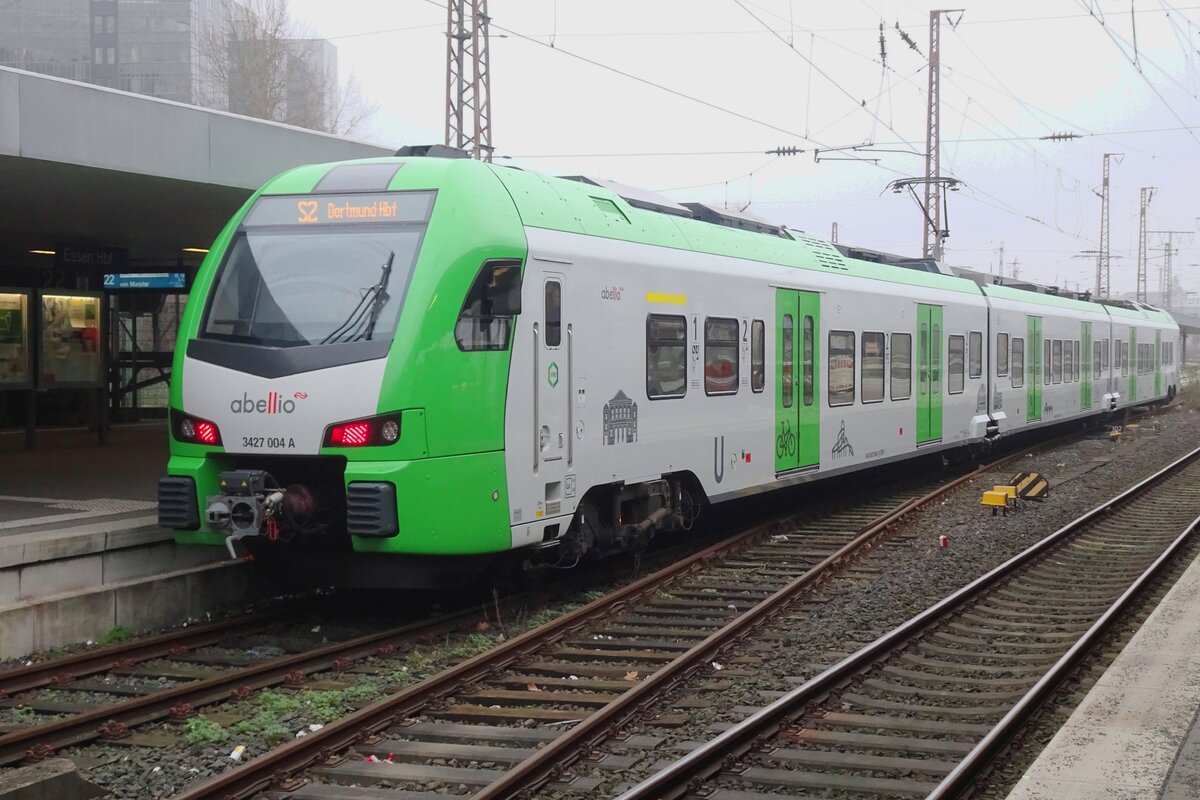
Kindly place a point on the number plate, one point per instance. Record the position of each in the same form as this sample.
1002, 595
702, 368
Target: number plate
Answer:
268, 443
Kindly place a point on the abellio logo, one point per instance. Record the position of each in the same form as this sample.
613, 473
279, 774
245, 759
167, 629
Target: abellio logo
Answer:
273, 403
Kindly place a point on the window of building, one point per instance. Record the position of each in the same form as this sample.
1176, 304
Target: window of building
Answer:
901, 366
97, 24
975, 354
110, 24
1018, 363
110, 53
807, 353
758, 359
787, 385
872, 367
1068, 363
98, 55
1001, 355
841, 368
1056, 361
553, 313
666, 356
955, 365
720, 356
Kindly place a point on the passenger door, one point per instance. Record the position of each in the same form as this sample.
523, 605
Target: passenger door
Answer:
1033, 369
929, 373
1133, 364
1085, 353
552, 396
797, 380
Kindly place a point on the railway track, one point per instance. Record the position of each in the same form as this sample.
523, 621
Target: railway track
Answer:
923, 710
509, 719
174, 675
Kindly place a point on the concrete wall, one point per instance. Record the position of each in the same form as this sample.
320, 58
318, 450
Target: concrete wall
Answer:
74, 123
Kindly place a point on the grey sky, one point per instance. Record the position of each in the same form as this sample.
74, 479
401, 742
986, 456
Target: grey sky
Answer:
1012, 71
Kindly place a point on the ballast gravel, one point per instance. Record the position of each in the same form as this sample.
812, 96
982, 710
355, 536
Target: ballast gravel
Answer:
911, 572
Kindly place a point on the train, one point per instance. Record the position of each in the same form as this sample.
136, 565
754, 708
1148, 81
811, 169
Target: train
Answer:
393, 372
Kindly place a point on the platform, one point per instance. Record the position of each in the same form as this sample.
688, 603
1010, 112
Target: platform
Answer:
70, 478
80, 548
1136, 736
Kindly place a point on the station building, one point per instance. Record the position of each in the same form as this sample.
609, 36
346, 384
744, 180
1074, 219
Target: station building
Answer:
108, 203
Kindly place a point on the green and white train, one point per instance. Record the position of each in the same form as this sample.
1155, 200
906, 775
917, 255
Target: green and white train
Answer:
393, 371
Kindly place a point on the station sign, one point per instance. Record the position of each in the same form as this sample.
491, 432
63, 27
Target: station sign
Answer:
116, 281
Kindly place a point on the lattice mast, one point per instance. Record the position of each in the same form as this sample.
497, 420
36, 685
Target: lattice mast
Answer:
468, 78
932, 239
1104, 262
1147, 195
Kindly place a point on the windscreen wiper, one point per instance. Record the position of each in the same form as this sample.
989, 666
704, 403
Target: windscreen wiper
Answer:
361, 319
381, 298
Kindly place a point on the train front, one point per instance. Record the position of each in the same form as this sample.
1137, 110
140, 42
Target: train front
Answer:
338, 391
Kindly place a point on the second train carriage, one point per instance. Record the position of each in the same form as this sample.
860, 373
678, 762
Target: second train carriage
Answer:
397, 369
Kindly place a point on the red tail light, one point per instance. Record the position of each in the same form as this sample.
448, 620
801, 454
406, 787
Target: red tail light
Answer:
372, 432
193, 429
355, 434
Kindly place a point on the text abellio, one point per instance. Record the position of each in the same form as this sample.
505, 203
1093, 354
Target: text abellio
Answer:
274, 403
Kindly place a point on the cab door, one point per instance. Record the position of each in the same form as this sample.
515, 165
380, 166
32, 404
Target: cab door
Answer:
552, 395
797, 381
1033, 370
929, 374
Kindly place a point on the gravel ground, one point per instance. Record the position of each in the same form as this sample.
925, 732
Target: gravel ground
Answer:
914, 572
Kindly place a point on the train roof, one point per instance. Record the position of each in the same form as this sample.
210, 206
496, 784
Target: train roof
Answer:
597, 207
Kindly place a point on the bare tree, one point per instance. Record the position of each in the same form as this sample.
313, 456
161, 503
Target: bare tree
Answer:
260, 62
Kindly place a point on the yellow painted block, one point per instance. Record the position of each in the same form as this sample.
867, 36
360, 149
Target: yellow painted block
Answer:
994, 499
1007, 491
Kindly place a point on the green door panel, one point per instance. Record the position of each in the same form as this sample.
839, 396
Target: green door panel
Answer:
1133, 363
1157, 363
1085, 353
929, 373
797, 379
1033, 370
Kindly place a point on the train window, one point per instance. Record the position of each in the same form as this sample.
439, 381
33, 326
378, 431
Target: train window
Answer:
1104, 356
1056, 362
872, 367
666, 356
975, 354
485, 320
1018, 363
1068, 363
720, 356
841, 368
901, 366
1001, 355
954, 384
1123, 348
553, 313
1095, 359
807, 353
787, 384
758, 359
1078, 366
1046, 343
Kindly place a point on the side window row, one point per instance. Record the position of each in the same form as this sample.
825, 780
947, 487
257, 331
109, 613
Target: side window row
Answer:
895, 378
666, 356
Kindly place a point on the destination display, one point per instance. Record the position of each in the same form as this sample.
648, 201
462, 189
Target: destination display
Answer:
144, 280
341, 209
70, 342
14, 340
